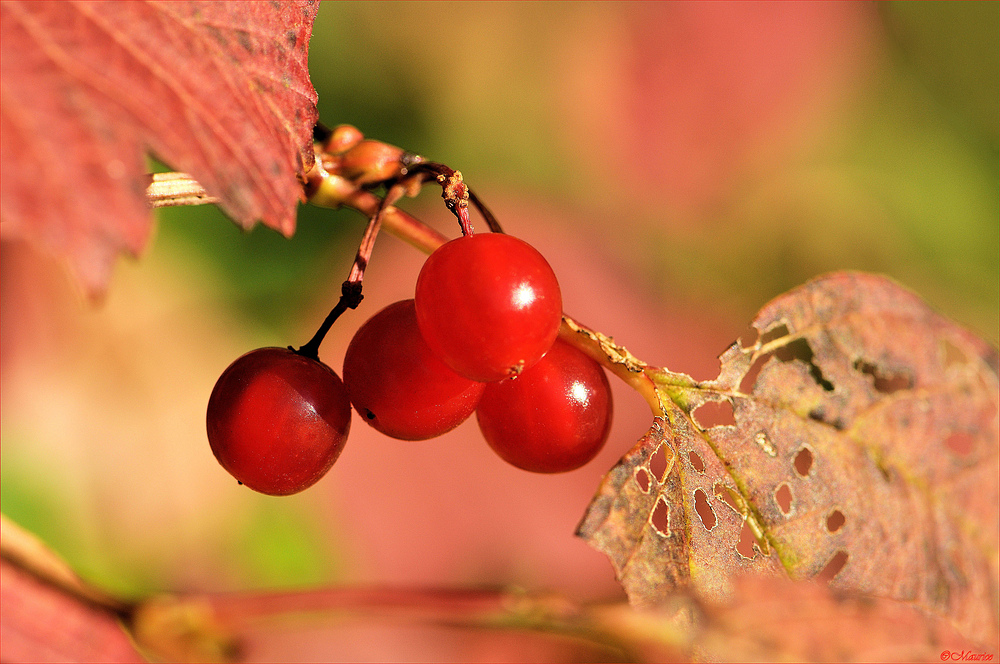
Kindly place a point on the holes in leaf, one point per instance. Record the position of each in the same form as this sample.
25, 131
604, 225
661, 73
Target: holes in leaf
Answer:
783, 497
750, 378
749, 338
833, 567
745, 546
803, 461
370, 416
714, 413
722, 492
660, 518
797, 349
704, 510
642, 479
960, 443
658, 463
802, 351
696, 461
774, 333
835, 521
887, 383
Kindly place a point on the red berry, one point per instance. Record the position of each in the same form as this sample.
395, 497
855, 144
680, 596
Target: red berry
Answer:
398, 385
554, 417
488, 305
278, 420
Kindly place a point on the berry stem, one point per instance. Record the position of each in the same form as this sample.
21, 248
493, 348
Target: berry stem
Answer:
615, 358
491, 221
350, 298
334, 191
326, 189
608, 628
457, 195
350, 290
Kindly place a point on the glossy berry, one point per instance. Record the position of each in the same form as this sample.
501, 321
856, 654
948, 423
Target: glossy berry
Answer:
554, 417
488, 305
398, 385
278, 420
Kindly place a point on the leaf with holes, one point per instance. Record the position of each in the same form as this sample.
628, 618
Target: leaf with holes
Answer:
220, 90
855, 440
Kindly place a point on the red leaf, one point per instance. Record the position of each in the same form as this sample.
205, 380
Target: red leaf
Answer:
42, 624
779, 620
220, 90
48, 613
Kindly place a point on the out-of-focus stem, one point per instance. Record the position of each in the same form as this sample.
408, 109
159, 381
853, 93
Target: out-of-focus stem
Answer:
237, 614
172, 189
335, 191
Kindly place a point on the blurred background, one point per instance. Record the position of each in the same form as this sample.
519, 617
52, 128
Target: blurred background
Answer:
679, 164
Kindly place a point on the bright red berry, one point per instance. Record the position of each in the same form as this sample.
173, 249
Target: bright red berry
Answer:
488, 305
278, 420
398, 385
554, 417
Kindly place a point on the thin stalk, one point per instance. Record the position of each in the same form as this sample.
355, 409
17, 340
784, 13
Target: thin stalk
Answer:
350, 290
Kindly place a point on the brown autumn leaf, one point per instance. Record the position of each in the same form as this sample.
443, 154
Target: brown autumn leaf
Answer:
861, 448
220, 90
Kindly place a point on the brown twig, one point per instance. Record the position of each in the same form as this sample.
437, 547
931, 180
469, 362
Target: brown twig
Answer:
173, 189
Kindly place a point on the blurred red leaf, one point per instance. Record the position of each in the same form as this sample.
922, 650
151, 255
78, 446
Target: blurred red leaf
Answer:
48, 614
220, 90
42, 624
862, 448
777, 619
700, 97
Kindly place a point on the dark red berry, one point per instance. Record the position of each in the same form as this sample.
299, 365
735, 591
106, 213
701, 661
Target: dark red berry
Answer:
488, 305
278, 420
398, 385
554, 417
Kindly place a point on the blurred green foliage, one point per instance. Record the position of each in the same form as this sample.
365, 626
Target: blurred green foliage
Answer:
31, 499
952, 49
283, 545
265, 277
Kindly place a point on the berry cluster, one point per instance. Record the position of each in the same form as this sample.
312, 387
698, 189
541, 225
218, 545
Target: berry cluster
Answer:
480, 335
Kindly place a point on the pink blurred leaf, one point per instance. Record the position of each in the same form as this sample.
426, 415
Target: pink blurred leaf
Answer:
220, 90
48, 614
777, 619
